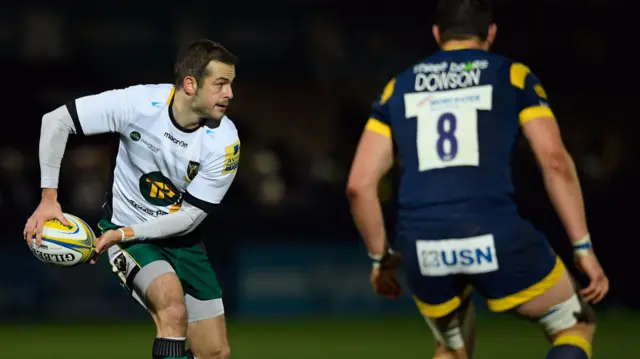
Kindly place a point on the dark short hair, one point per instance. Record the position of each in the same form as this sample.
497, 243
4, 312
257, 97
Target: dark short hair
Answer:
464, 19
194, 58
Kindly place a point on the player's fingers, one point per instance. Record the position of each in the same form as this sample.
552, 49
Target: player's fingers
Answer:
100, 245
395, 293
94, 258
29, 228
63, 219
588, 295
589, 291
39, 228
603, 289
389, 286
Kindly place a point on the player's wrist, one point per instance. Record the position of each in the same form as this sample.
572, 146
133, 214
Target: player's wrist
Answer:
49, 194
583, 246
376, 258
385, 260
126, 234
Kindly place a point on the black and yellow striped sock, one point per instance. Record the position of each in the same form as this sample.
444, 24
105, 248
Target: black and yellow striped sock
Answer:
570, 347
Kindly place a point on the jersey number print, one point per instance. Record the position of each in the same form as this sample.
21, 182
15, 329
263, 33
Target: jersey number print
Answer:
447, 125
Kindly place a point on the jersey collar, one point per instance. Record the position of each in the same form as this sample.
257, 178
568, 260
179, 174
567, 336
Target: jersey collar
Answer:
173, 119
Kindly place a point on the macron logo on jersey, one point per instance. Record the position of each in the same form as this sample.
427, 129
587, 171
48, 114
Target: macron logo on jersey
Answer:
175, 140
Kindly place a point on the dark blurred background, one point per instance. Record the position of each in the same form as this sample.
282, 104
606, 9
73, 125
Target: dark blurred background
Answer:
285, 246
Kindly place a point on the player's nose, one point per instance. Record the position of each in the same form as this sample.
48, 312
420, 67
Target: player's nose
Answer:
229, 92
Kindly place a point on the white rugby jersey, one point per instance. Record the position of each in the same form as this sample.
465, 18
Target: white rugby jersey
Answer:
159, 163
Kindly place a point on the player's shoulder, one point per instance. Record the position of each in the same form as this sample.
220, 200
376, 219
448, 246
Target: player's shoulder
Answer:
218, 138
520, 73
150, 97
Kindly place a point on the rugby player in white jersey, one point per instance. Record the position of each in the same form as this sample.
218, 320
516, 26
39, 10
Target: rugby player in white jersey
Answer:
178, 155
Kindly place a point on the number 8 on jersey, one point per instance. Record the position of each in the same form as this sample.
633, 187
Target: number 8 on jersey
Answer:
447, 125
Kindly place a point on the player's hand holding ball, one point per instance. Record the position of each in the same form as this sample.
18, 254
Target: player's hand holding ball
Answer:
57, 238
48, 209
383, 274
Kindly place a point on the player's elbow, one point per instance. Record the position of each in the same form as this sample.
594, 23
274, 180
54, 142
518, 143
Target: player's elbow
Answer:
358, 187
557, 162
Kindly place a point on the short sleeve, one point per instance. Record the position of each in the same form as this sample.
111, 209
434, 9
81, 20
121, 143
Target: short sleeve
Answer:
531, 99
212, 182
379, 119
109, 111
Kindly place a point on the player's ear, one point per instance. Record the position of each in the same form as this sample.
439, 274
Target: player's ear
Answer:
190, 85
436, 33
491, 35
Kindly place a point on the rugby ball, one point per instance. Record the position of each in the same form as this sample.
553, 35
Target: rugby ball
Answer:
64, 246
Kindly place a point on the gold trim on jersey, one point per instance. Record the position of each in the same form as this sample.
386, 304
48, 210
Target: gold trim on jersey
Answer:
523, 296
518, 75
388, 91
378, 126
442, 309
539, 90
171, 94
533, 112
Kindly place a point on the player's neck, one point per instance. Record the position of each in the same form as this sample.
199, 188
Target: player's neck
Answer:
182, 114
464, 45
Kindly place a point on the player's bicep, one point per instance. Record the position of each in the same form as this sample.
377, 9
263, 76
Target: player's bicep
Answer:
373, 159
543, 134
109, 111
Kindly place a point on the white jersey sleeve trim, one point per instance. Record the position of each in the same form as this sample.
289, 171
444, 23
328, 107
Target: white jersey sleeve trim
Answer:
54, 133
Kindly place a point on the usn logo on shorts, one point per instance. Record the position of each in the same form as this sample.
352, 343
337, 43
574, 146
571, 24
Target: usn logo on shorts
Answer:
473, 255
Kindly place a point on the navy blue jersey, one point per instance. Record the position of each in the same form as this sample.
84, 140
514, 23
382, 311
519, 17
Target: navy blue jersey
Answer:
455, 118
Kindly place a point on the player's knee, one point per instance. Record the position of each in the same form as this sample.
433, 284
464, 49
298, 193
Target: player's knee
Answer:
220, 352
571, 316
165, 300
173, 315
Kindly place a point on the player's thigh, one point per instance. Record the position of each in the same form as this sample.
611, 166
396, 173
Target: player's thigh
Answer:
561, 311
207, 337
146, 272
198, 277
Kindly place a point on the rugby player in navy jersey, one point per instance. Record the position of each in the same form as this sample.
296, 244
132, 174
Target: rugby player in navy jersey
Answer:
454, 118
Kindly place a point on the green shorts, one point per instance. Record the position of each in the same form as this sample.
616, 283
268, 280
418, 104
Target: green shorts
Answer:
186, 256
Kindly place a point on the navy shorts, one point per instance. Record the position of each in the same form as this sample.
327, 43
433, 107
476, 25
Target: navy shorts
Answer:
505, 259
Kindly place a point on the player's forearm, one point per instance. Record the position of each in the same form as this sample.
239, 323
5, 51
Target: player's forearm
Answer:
367, 215
563, 187
54, 132
171, 225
